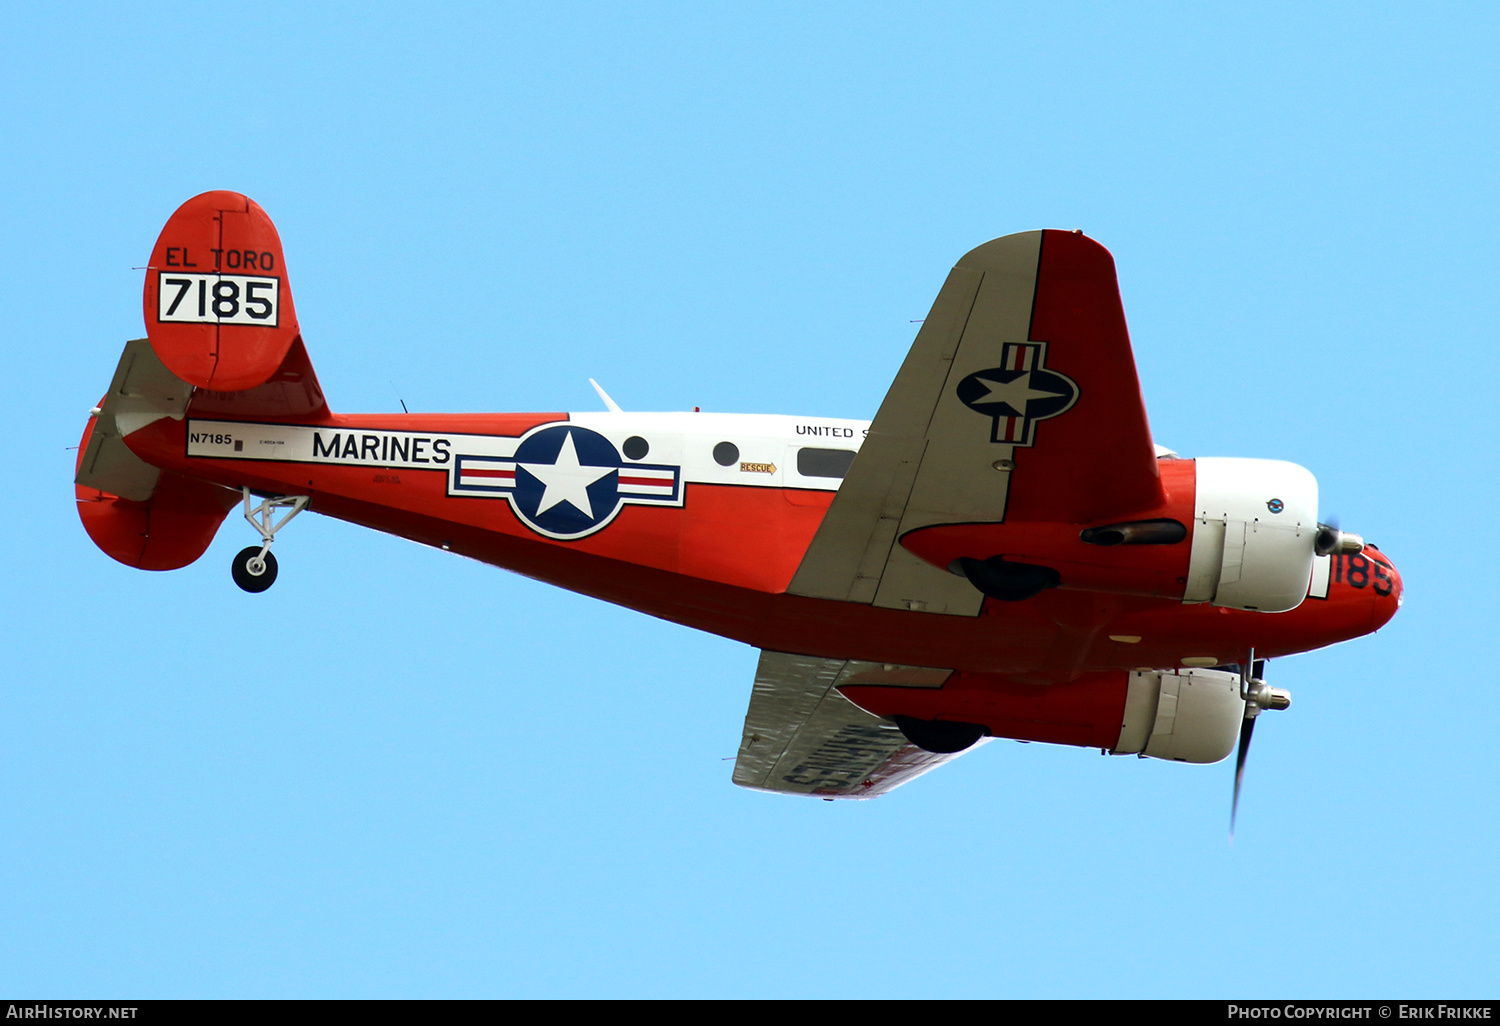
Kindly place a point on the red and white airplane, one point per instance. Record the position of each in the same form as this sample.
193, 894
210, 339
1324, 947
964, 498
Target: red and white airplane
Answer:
1001, 552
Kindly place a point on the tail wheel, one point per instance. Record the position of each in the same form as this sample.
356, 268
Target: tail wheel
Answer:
253, 571
255, 568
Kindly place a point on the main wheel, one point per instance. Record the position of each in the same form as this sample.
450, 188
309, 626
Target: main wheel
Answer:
253, 573
941, 737
1005, 581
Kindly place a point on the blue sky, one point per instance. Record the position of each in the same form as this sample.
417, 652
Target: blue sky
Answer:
405, 774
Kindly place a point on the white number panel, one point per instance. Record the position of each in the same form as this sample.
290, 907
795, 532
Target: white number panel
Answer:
217, 299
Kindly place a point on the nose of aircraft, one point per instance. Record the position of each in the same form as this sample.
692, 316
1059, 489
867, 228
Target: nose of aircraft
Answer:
1387, 599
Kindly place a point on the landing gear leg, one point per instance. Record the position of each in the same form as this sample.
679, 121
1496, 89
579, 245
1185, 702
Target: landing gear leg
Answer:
254, 568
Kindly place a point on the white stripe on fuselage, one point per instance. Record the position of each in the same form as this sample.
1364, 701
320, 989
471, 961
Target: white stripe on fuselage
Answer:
766, 445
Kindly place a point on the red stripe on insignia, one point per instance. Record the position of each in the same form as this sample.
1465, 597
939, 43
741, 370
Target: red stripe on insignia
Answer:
469, 472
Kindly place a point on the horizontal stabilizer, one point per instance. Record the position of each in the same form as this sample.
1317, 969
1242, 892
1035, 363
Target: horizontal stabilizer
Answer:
143, 391
134, 512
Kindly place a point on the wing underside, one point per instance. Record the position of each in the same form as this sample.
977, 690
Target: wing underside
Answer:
803, 737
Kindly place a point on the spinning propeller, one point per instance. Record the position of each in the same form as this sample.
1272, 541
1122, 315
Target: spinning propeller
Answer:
1329, 541
1258, 697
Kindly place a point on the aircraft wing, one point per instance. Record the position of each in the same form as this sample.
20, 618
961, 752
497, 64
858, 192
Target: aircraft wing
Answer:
803, 737
1019, 400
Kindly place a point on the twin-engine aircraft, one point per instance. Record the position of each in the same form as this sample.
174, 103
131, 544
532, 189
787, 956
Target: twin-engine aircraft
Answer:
1001, 552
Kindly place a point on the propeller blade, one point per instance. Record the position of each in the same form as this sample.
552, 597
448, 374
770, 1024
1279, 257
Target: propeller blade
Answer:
1326, 541
1327, 538
1247, 728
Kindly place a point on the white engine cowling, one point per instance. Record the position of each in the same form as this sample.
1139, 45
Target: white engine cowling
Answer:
1254, 526
1187, 716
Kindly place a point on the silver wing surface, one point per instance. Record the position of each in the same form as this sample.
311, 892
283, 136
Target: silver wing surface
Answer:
803, 737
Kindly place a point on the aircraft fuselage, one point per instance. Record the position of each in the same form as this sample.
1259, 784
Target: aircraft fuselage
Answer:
703, 519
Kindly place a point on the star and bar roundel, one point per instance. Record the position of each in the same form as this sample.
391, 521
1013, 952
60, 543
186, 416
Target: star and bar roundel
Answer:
565, 481
1018, 393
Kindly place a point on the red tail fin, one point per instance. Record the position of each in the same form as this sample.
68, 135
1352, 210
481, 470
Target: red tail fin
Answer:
223, 341
218, 304
168, 523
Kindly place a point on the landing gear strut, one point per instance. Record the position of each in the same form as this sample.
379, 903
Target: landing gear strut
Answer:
254, 568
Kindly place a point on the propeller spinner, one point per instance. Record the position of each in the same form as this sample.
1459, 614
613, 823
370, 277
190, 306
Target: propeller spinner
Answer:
1330, 541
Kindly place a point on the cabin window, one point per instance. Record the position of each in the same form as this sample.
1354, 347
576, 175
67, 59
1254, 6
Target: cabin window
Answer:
824, 462
726, 454
636, 448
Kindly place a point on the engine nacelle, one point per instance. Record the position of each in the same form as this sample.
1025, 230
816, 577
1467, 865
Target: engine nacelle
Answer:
1254, 528
1188, 716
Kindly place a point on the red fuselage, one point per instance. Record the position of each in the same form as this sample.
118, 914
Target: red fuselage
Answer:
722, 559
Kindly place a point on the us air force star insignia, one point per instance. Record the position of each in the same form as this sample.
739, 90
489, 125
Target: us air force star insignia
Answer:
565, 481
1018, 393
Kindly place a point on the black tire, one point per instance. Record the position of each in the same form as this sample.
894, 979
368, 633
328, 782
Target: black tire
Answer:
1005, 581
941, 737
253, 582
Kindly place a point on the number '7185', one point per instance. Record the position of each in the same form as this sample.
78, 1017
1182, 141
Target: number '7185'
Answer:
217, 299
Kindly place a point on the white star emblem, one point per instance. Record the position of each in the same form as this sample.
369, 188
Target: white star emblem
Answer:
1015, 394
566, 480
